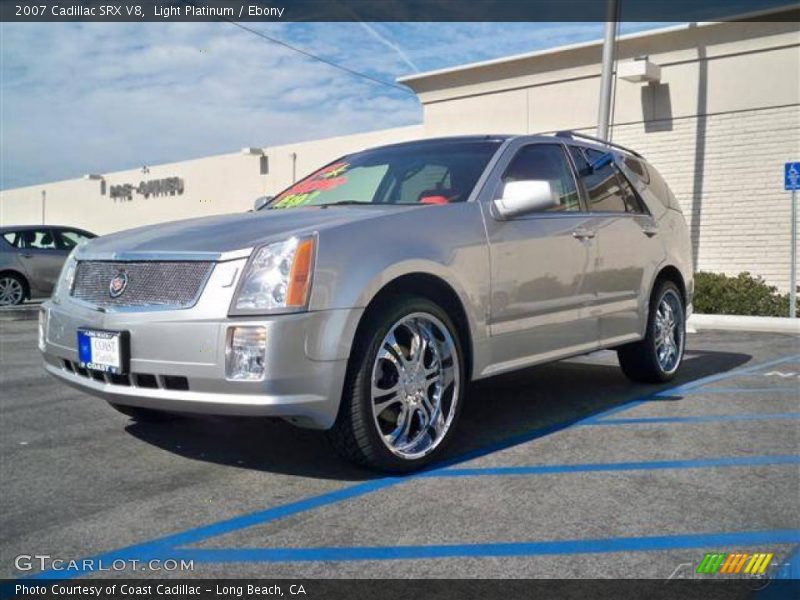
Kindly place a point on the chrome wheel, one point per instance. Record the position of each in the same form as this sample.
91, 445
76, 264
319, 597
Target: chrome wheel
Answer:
415, 381
669, 332
11, 291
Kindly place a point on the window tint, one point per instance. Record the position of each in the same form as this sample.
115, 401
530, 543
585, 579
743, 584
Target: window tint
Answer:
39, 239
545, 162
430, 180
607, 189
68, 239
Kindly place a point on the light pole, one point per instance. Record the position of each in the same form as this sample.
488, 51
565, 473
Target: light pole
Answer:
609, 41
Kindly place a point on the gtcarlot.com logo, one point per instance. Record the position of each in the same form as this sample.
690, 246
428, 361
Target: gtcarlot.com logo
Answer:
733, 563
45, 562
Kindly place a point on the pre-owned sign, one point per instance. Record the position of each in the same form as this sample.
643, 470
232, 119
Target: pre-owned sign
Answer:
169, 186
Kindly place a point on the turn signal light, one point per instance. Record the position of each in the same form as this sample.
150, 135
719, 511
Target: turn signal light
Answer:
300, 274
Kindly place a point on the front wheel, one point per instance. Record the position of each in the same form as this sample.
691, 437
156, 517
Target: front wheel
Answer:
656, 358
404, 388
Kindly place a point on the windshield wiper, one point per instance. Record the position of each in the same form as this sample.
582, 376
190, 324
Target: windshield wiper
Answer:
345, 203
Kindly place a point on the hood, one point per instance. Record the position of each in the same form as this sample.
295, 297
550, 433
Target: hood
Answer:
223, 236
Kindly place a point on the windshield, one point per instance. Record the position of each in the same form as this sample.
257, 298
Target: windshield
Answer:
425, 173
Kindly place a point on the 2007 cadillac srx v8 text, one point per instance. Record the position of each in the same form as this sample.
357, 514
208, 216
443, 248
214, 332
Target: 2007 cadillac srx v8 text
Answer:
365, 297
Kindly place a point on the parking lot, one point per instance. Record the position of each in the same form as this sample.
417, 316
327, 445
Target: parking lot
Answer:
565, 470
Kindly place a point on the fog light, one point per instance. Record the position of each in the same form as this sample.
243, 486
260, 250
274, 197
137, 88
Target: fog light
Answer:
245, 354
42, 328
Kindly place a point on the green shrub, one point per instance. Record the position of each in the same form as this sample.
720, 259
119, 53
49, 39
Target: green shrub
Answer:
719, 294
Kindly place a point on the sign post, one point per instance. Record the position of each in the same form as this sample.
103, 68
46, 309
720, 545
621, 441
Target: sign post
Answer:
791, 182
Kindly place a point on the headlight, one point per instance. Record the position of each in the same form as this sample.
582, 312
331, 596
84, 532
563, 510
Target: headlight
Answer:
277, 278
67, 277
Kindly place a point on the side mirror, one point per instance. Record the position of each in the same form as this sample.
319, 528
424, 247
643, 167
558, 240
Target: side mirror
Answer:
521, 197
261, 202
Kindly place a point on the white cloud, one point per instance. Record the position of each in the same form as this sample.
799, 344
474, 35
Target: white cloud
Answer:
95, 97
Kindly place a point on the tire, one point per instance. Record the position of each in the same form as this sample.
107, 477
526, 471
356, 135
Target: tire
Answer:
647, 361
423, 391
144, 415
13, 289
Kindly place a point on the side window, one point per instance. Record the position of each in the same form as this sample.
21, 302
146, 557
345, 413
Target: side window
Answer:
36, 239
607, 189
67, 239
545, 162
12, 237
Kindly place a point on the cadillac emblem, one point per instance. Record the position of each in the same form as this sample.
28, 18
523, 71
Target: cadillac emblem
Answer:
118, 284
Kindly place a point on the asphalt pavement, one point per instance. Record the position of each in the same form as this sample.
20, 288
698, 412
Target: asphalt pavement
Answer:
563, 470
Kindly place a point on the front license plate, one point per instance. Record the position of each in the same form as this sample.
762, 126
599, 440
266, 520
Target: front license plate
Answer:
101, 350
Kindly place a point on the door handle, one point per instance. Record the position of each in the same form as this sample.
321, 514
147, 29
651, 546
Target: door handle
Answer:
27, 255
650, 230
583, 234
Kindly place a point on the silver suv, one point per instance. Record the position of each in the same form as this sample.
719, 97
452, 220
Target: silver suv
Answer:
365, 297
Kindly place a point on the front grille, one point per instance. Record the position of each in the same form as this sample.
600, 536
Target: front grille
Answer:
151, 283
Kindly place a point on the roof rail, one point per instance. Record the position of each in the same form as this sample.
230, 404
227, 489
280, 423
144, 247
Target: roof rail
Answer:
574, 134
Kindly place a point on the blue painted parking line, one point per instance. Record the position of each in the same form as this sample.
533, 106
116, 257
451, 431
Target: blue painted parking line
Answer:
790, 569
681, 389
688, 387
693, 419
587, 546
700, 463
155, 547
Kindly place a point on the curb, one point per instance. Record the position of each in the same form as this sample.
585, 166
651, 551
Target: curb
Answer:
700, 322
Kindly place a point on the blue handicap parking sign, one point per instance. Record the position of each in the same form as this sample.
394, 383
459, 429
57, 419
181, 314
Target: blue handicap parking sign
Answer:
791, 176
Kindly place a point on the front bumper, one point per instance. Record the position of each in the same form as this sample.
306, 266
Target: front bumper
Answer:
177, 361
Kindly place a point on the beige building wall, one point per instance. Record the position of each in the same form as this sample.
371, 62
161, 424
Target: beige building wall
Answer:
719, 125
213, 185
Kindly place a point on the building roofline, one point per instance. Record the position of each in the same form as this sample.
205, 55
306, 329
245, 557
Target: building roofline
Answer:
406, 79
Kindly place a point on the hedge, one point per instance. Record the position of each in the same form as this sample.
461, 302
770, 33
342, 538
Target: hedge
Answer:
719, 294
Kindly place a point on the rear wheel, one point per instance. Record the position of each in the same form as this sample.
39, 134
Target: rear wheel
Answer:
404, 388
144, 415
658, 356
12, 289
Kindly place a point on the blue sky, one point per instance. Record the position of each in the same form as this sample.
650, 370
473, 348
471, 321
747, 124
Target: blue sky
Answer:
81, 98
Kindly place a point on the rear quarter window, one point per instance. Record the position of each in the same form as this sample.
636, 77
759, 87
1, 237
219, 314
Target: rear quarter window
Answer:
660, 189
637, 167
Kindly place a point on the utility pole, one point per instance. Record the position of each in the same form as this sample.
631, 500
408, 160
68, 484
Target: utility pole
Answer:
609, 42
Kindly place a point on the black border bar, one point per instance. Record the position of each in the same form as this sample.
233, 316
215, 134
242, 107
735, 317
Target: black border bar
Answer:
393, 10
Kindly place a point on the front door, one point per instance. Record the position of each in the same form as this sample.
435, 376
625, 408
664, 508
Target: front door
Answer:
539, 263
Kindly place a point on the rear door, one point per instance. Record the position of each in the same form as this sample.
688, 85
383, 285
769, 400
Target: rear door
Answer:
539, 260
628, 249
